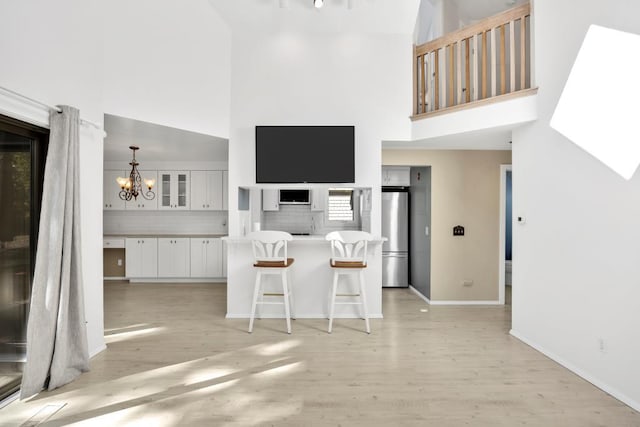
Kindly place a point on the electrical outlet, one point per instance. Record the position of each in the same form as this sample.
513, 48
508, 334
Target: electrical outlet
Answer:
601, 345
467, 282
119, 263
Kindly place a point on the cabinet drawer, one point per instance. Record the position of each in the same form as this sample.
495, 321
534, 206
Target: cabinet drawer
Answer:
113, 243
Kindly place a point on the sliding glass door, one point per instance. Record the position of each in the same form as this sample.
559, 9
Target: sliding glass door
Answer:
22, 157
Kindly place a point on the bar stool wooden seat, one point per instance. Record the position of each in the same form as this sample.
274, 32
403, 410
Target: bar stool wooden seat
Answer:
270, 258
349, 258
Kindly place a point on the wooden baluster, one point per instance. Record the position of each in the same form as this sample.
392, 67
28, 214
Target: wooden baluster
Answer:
523, 54
475, 67
503, 64
416, 98
436, 80
484, 64
429, 73
459, 71
512, 56
451, 76
467, 69
423, 82
494, 52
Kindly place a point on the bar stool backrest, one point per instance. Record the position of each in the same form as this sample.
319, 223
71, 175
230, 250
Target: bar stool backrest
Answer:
349, 245
270, 246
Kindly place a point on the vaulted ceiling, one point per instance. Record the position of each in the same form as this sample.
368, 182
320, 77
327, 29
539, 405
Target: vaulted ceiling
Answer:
336, 16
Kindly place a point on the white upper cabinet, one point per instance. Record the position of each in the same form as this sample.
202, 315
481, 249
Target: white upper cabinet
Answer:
225, 190
319, 199
111, 191
173, 190
207, 190
270, 200
397, 176
141, 203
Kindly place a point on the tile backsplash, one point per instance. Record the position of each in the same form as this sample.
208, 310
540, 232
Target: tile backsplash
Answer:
300, 219
165, 222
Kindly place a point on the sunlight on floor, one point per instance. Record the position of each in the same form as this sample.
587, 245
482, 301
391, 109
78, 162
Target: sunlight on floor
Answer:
150, 398
277, 348
124, 328
122, 336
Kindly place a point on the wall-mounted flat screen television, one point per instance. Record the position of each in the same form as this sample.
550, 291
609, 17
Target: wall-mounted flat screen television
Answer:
305, 154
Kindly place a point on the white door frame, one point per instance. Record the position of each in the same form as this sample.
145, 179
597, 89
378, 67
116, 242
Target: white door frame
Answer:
503, 231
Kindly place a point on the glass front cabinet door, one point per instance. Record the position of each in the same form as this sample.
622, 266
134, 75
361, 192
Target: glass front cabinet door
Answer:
174, 189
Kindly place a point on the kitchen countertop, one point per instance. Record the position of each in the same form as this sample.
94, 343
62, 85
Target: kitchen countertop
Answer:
310, 238
177, 236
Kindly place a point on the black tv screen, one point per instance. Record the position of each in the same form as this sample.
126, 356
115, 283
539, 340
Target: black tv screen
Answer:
305, 154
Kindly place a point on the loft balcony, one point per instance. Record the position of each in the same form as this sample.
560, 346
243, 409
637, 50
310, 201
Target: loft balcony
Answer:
481, 72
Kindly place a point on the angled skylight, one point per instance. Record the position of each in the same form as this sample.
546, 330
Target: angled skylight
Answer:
598, 109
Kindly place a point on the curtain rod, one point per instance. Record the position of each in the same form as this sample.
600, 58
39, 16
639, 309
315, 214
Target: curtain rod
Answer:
48, 107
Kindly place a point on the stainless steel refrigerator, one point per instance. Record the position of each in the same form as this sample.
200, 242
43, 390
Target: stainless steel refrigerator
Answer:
395, 227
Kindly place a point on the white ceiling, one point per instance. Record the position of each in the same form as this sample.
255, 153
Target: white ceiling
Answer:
366, 16
159, 143
338, 16
475, 10
489, 139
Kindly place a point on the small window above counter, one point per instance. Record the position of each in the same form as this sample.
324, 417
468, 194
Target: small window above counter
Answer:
321, 209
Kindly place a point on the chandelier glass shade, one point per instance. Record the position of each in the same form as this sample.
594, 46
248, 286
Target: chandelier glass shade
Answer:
131, 187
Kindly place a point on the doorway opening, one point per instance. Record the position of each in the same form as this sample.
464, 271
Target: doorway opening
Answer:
506, 236
23, 149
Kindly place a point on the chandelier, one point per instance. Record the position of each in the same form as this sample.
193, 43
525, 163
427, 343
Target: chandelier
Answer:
131, 187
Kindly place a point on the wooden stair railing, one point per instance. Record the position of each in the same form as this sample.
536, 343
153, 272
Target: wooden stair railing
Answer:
475, 63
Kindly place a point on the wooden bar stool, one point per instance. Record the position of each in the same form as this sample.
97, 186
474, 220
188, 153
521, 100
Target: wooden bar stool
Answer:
270, 258
349, 257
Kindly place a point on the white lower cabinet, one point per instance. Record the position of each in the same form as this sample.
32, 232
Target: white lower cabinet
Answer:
206, 257
141, 257
224, 259
173, 257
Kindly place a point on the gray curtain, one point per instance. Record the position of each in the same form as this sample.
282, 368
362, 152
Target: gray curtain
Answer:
57, 349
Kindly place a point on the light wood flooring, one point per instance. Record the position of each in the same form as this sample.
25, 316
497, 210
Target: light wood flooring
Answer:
174, 360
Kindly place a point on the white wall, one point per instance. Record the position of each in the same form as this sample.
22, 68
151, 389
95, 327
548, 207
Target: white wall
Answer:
51, 51
328, 79
465, 190
168, 62
575, 266
425, 23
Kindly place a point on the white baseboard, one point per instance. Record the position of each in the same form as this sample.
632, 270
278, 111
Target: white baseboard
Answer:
120, 279
465, 302
97, 351
13, 397
570, 366
179, 280
417, 292
305, 316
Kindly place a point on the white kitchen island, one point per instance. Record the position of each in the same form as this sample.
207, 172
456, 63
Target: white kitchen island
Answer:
310, 278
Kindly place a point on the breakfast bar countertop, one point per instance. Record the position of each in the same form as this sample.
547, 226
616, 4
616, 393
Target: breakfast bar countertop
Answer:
296, 238
160, 235
310, 278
